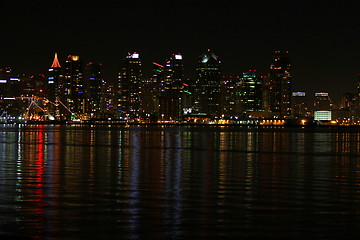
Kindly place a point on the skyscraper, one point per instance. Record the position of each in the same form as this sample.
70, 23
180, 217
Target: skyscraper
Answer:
322, 102
94, 89
129, 87
73, 85
9, 83
230, 100
279, 85
172, 89
208, 84
299, 106
250, 91
54, 83
150, 91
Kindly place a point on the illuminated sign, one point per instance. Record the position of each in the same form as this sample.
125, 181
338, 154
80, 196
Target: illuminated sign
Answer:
3, 81
321, 94
178, 57
322, 115
299, 94
135, 55
14, 79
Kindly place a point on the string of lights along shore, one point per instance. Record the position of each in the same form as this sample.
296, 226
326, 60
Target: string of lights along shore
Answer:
73, 90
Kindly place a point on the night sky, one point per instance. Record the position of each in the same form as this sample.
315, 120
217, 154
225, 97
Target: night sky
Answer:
322, 37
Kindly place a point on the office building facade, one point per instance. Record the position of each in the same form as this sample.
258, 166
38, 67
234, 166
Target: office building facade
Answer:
171, 93
208, 84
129, 87
279, 85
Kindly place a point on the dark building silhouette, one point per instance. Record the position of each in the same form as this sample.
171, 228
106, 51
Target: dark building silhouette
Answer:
299, 105
322, 102
9, 83
208, 84
95, 84
278, 86
230, 97
150, 93
171, 94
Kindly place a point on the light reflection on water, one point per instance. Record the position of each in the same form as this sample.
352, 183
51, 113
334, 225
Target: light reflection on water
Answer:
87, 182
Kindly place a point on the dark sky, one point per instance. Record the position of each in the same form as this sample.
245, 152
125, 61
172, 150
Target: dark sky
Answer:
322, 37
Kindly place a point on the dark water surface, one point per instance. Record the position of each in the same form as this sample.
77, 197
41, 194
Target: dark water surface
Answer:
99, 182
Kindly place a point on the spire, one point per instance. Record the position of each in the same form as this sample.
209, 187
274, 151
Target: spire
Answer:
55, 63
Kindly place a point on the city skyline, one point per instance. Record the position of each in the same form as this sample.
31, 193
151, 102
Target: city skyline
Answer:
76, 90
190, 72
322, 39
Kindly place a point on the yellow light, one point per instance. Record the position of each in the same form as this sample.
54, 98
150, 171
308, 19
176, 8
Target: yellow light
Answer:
75, 58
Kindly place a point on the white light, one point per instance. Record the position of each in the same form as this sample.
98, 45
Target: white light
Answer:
321, 94
3, 81
135, 55
178, 57
299, 94
50, 82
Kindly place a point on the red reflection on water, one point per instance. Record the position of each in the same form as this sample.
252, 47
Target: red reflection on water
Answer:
39, 182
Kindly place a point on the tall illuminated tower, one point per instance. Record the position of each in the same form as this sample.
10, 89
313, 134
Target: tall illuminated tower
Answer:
208, 84
129, 87
279, 85
172, 89
250, 91
73, 85
54, 86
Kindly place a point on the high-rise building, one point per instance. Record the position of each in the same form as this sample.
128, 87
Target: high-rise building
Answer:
9, 83
322, 102
299, 106
347, 100
109, 100
279, 85
170, 101
208, 84
151, 91
94, 90
250, 91
73, 85
230, 100
54, 82
129, 87
355, 106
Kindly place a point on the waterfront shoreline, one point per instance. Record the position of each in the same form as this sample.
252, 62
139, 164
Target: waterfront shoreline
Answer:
129, 124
